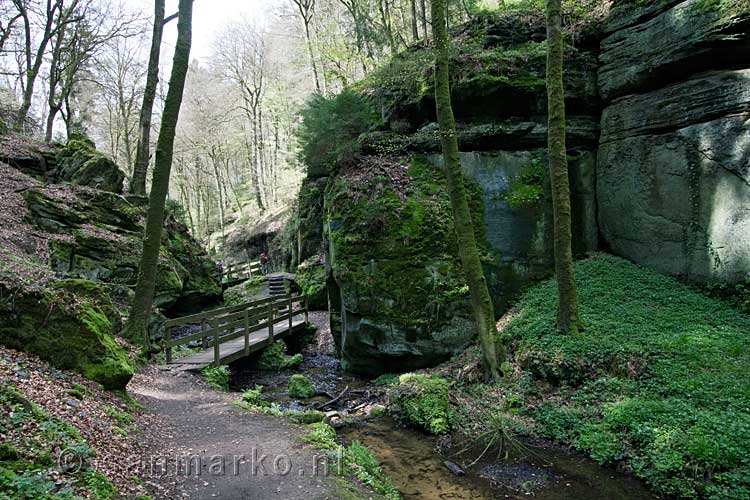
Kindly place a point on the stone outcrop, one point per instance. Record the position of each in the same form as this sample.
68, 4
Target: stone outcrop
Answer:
76, 162
68, 330
658, 136
673, 168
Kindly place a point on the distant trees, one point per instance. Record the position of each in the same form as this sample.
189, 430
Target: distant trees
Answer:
481, 302
567, 309
57, 40
136, 327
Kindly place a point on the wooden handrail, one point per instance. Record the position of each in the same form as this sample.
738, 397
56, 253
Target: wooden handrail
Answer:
223, 323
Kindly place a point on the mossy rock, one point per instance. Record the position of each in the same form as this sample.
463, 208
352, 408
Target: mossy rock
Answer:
422, 401
254, 288
311, 277
394, 259
300, 387
80, 163
68, 331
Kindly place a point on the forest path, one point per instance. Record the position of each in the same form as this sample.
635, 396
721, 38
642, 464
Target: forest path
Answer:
200, 425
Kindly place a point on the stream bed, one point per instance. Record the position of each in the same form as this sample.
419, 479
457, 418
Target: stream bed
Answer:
416, 462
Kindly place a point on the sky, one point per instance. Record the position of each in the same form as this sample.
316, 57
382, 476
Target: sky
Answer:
208, 18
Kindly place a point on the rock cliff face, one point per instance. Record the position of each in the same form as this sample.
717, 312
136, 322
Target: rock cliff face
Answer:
673, 168
658, 133
68, 261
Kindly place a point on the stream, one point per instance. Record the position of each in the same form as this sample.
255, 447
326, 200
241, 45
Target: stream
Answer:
416, 462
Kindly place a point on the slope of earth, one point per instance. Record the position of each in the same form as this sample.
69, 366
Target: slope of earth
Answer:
64, 438
657, 383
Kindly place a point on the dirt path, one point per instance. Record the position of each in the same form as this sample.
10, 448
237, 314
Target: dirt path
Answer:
200, 425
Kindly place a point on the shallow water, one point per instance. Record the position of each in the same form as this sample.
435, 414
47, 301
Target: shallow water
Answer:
410, 458
413, 460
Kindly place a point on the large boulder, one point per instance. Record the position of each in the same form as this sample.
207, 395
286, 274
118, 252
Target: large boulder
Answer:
402, 299
79, 162
679, 201
65, 329
97, 235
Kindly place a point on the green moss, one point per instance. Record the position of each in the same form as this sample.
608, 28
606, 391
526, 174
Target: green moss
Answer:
8, 452
98, 485
528, 188
273, 358
74, 334
300, 387
245, 292
395, 254
658, 378
306, 416
422, 401
322, 436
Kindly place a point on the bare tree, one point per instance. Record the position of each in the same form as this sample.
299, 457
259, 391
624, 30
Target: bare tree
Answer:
306, 10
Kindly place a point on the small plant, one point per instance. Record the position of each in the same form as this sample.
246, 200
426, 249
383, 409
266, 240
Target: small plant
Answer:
528, 188
300, 387
322, 436
100, 487
366, 468
216, 376
122, 418
253, 397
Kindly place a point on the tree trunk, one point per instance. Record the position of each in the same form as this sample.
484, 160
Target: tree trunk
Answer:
423, 15
481, 301
414, 27
567, 308
136, 327
140, 169
312, 55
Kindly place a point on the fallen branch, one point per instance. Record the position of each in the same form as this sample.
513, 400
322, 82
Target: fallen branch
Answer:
321, 406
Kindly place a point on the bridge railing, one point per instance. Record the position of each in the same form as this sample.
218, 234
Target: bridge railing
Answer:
241, 270
229, 323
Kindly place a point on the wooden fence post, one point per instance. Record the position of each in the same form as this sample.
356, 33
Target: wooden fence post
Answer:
291, 316
167, 339
307, 316
204, 339
217, 345
247, 334
270, 321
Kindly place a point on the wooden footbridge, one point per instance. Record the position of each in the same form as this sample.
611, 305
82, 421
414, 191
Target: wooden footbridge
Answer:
230, 333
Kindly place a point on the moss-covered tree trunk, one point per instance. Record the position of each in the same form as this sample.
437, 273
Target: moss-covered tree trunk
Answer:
140, 169
136, 327
567, 309
484, 314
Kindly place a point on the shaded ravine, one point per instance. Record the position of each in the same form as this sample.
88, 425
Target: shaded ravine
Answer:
416, 461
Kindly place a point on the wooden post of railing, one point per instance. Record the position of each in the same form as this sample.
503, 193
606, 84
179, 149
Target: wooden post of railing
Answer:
167, 338
290, 312
247, 334
270, 321
217, 345
204, 339
307, 316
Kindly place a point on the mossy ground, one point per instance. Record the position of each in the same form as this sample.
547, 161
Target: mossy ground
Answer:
658, 380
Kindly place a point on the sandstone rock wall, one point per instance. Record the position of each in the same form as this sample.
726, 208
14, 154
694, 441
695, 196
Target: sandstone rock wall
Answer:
673, 167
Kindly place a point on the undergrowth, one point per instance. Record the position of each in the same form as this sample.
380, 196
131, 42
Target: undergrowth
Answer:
658, 379
357, 459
